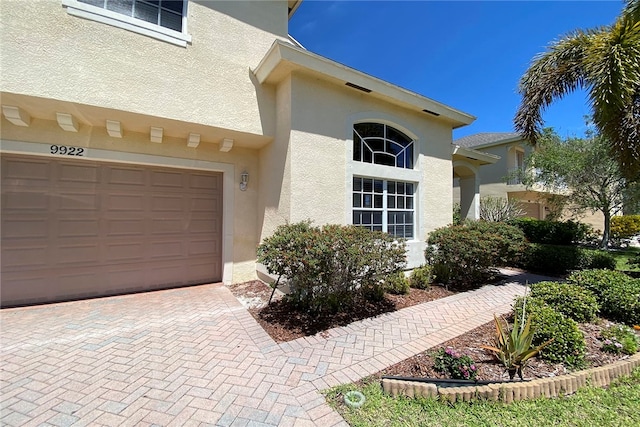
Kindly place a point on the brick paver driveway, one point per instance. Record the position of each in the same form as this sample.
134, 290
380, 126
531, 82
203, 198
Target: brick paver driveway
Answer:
195, 356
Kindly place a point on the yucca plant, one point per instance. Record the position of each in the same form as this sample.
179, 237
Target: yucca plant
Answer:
513, 346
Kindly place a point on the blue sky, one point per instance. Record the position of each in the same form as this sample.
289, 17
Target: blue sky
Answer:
469, 55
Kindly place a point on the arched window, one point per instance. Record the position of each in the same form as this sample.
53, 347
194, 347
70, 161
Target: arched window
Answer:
381, 144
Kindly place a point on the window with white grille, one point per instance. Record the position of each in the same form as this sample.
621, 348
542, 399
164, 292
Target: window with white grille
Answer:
384, 205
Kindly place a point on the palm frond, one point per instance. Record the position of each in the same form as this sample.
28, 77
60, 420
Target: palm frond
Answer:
552, 75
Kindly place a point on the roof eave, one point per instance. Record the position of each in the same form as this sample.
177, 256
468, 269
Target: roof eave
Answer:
283, 58
293, 6
473, 154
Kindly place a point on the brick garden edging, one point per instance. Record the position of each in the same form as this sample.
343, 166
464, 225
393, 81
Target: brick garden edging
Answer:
512, 391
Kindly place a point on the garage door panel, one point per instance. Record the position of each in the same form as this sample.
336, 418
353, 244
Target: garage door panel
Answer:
166, 249
78, 253
202, 181
202, 226
125, 227
125, 251
168, 179
67, 201
199, 271
78, 174
202, 204
27, 287
126, 176
27, 170
77, 228
26, 256
203, 247
125, 202
167, 226
25, 201
160, 203
21, 228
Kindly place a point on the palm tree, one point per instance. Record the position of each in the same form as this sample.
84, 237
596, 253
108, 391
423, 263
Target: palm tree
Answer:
606, 62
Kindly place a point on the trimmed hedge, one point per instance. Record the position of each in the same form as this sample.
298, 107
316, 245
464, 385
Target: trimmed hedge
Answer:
334, 267
559, 260
573, 301
465, 254
568, 346
617, 293
552, 232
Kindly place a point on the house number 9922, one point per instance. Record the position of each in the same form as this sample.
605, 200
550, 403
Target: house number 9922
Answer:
63, 150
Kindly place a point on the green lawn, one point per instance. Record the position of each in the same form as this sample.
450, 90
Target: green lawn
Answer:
622, 256
617, 406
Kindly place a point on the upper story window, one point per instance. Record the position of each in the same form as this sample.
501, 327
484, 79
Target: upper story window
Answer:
166, 13
380, 144
161, 19
515, 166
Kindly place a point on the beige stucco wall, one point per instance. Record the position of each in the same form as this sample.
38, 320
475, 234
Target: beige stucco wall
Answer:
208, 82
315, 156
492, 183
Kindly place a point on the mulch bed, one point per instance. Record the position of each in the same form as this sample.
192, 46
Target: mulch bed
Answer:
284, 324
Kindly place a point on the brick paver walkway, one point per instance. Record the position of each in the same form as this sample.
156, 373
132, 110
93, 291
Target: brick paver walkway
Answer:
195, 356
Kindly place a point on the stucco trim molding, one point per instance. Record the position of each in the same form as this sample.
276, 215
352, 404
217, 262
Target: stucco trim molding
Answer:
94, 154
284, 58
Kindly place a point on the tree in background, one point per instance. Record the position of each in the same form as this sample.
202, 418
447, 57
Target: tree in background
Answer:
583, 170
606, 62
499, 209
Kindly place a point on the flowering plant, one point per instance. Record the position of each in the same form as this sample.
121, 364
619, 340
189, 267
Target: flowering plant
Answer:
620, 339
457, 366
612, 346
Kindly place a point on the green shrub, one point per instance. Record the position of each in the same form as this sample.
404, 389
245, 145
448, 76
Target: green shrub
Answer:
397, 284
560, 260
568, 346
621, 302
573, 301
333, 267
620, 339
617, 293
600, 260
597, 281
421, 277
552, 232
465, 254
623, 227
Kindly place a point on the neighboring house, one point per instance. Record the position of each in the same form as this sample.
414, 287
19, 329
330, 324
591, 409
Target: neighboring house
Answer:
499, 180
149, 144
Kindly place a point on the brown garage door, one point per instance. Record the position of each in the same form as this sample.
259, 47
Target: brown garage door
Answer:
73, 228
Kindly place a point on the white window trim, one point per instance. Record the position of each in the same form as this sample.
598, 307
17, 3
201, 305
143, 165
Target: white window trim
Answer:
94, 13
389, 173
